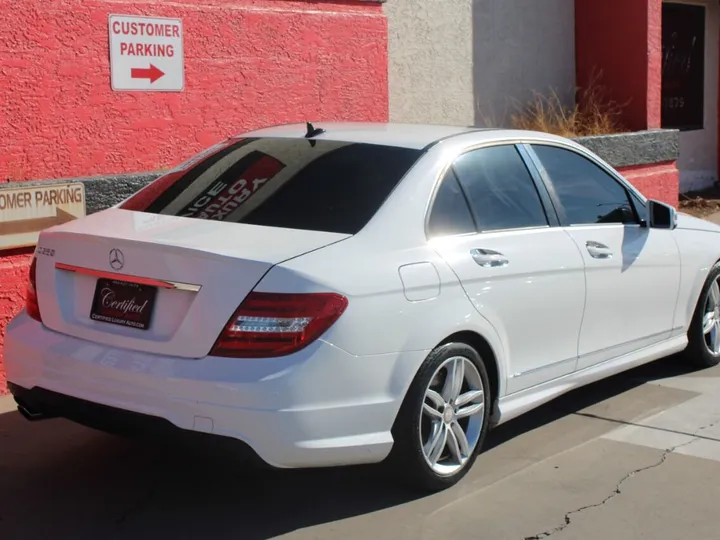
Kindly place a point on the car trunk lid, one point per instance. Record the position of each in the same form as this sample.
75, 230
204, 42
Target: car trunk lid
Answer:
154, 283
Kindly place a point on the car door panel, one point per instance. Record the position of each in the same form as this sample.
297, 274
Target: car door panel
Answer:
632, 288
535, 300
523, 275
632, 271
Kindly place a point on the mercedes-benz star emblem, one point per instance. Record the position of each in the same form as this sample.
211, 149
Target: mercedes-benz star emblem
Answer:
117, 259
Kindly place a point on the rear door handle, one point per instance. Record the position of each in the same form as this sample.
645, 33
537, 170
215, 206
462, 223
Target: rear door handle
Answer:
487, 258
598, 250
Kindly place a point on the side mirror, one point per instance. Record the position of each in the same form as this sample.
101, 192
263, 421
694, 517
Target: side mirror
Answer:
662, 216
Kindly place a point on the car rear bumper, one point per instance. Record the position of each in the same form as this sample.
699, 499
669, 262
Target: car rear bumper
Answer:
318, 407
41, 404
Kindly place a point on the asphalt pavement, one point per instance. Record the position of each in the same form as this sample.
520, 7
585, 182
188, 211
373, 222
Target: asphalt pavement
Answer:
635, 456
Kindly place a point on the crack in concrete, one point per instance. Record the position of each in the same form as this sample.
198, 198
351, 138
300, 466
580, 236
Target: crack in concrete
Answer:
617, 491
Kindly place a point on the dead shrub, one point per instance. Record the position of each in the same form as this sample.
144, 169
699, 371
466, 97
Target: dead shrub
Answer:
592, 114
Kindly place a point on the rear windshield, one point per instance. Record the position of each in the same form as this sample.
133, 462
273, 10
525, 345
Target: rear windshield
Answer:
293, 183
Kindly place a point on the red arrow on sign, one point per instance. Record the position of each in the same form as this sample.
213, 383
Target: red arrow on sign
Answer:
151, 73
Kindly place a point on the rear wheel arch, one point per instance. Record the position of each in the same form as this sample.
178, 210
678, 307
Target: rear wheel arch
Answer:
418, 441
486, 352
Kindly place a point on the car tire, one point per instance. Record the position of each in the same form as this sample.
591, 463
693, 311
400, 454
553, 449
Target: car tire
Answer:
699, 352
450, 412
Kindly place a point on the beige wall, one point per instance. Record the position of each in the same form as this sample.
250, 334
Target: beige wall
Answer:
430, 61
521, 46
465, 61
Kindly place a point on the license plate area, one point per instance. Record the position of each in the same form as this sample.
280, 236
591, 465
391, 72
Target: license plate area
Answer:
123, 303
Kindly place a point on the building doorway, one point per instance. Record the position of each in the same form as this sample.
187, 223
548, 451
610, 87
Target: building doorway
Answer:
690, 58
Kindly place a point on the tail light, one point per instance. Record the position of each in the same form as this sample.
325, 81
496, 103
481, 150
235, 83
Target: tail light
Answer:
31, 300
273, 324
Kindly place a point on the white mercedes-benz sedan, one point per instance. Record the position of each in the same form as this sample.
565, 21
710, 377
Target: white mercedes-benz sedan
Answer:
352, 293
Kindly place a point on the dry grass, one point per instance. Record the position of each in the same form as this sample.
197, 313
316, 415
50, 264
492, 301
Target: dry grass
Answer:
592, 114
699, 207
701, 203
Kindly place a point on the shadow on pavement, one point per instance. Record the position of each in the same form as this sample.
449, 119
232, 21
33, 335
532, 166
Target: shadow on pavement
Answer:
582, 398
62, 481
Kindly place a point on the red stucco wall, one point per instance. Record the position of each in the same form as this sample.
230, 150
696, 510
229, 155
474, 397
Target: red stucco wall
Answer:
620, 41
654, 64
13, 271
248, 63
659, 181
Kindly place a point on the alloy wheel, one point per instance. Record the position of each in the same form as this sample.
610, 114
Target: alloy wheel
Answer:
711, 319
452, 415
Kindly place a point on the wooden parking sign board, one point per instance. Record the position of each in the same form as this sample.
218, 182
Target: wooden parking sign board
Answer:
25, 211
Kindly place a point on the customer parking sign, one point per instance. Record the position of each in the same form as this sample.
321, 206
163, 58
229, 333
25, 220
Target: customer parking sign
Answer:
146, 54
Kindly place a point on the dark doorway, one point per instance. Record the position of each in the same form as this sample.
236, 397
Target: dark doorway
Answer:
683, 67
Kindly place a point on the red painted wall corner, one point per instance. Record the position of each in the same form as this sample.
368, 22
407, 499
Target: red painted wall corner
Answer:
659, 181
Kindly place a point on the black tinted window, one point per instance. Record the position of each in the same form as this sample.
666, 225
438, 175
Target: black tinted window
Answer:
325, 186
500, 190
450, 213
640, 206
587, 193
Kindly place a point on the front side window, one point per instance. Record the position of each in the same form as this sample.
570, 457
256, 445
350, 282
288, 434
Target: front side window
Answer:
640, 207
500, 189
586, 192
323, 185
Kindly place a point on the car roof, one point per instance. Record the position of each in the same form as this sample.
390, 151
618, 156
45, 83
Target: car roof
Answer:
416, 136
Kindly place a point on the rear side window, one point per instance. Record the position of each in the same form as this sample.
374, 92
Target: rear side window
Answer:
500, 189
329, 186
450, 213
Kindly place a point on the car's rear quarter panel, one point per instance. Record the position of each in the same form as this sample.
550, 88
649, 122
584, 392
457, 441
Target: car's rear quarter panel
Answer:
379, 318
